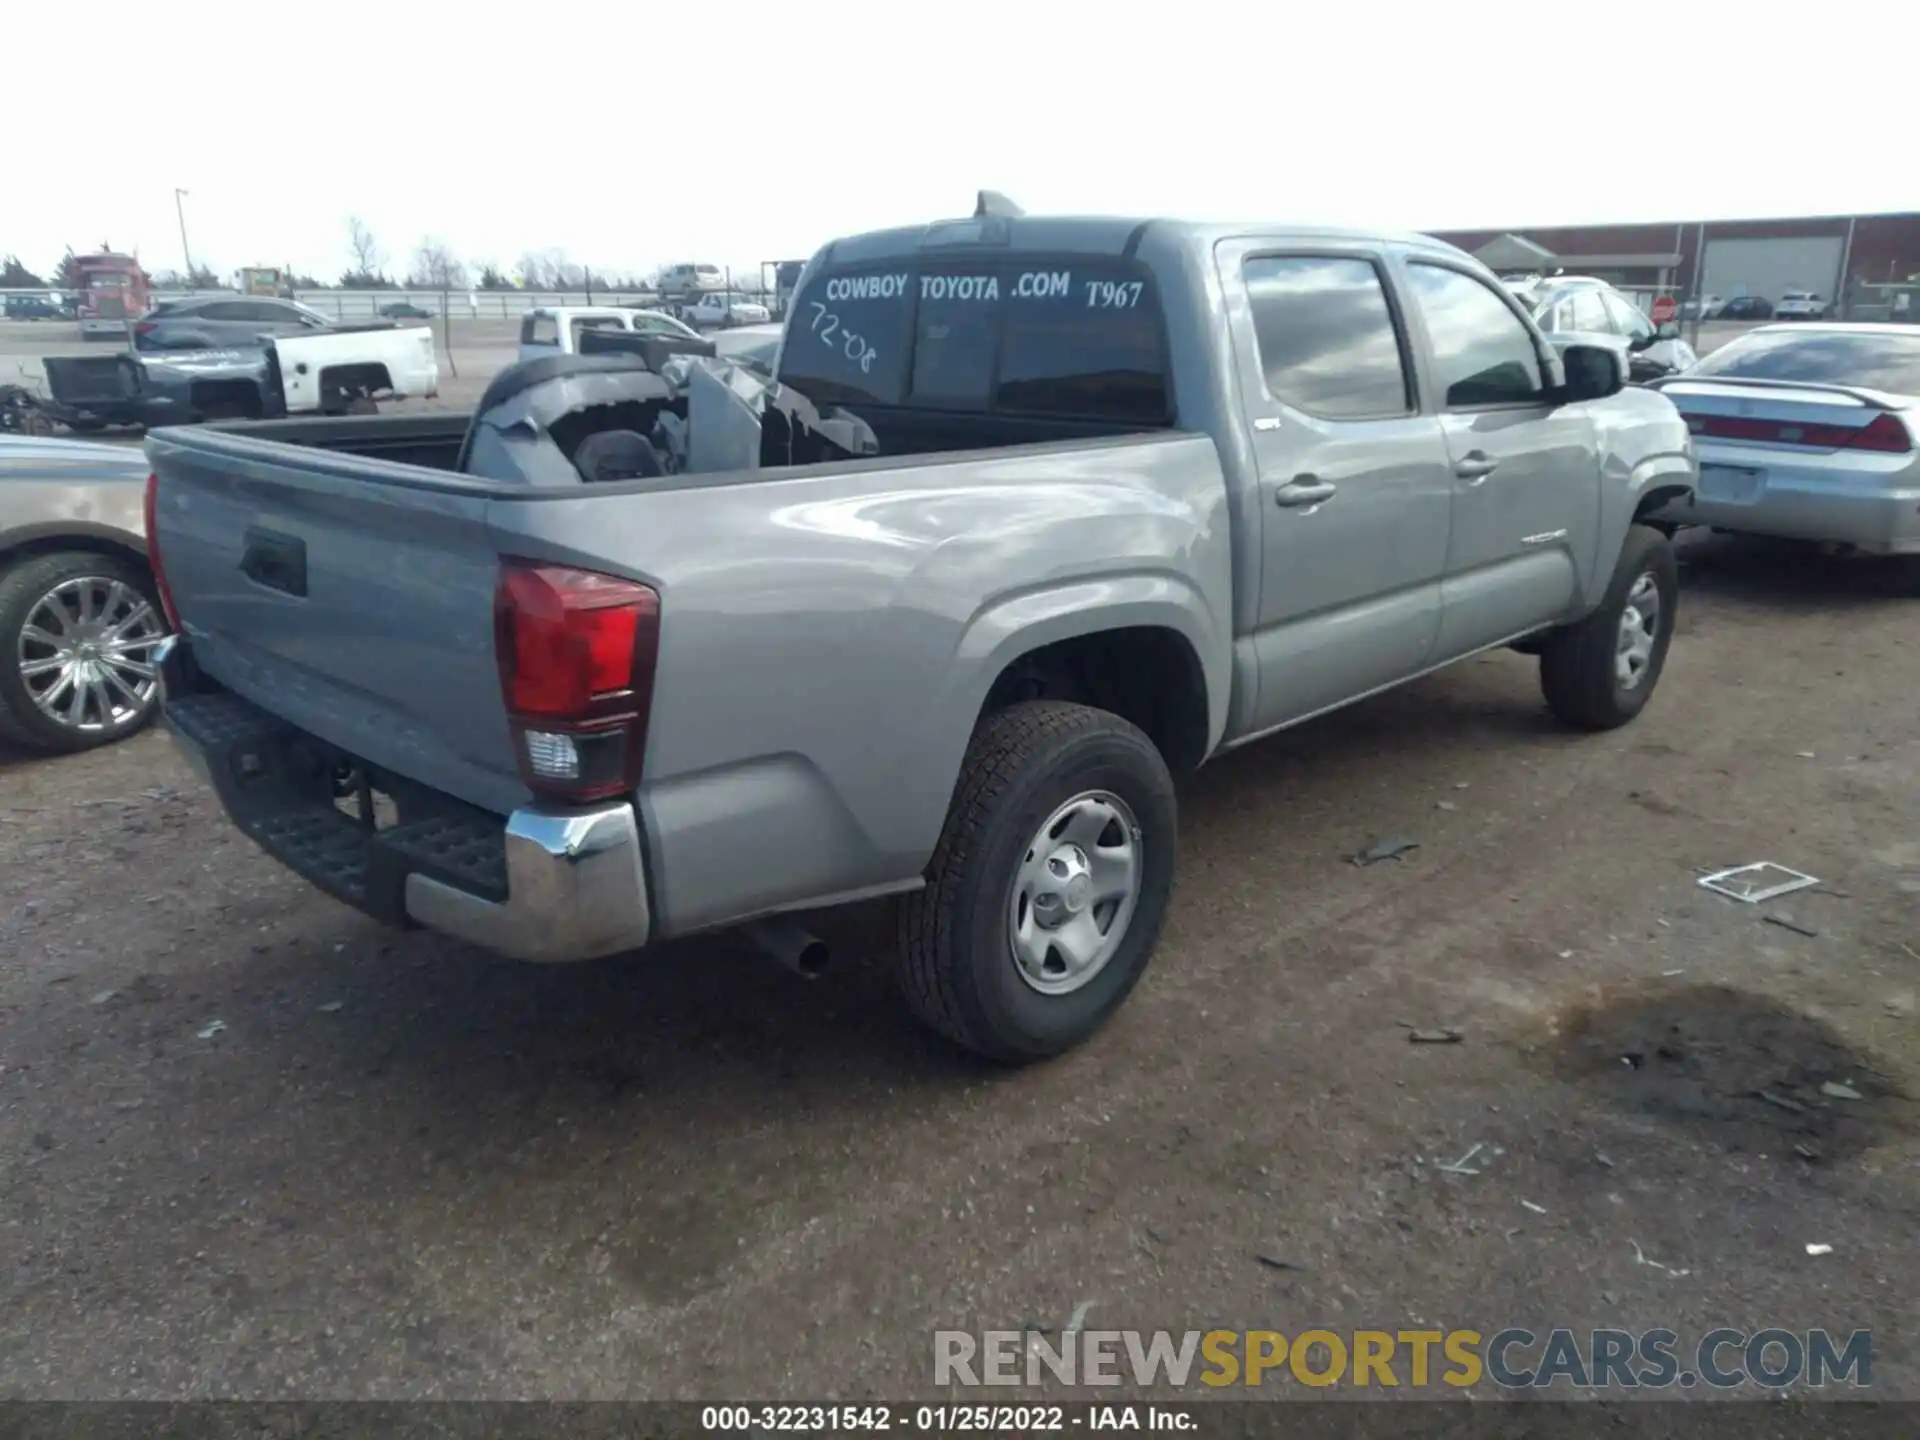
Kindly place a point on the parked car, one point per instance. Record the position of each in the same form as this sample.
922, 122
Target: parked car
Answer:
1746, 307
79, 615
35, 307
1800, 305
1593, 311
1145, 491
1808, 432
556, 329
722, 310
405, 310
1702, 307
209, 322
689, 281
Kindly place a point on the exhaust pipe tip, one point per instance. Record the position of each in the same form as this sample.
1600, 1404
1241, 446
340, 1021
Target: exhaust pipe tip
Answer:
798, 950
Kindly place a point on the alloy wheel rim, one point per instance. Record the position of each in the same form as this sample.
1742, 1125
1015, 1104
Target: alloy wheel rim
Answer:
85, 654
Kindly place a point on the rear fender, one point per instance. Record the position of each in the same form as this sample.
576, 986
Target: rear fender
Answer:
1017, 625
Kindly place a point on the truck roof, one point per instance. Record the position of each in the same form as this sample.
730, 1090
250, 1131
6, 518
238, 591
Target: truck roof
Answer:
1088, 234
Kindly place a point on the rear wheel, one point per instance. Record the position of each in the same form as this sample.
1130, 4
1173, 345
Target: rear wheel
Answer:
1048, 889
77, 633
1600, 673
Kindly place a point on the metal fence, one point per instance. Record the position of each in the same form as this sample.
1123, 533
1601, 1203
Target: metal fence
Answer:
458, 304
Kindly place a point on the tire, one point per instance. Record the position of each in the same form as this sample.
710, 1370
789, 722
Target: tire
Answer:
958, 966
1580, 664
25, 587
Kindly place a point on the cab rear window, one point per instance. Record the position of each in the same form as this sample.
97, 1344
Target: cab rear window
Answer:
1071, 339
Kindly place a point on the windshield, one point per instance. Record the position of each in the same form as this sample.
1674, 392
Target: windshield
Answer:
1825, 357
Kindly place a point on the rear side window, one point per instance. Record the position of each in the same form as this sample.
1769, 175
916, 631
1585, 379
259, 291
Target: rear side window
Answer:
539, 330
1326, 336
1484, 355
1075, 339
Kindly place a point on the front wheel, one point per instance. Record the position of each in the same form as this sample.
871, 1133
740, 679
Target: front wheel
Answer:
1598, 674
77, 634
1047, 891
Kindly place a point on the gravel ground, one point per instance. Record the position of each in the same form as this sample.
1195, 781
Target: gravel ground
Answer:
256, 1146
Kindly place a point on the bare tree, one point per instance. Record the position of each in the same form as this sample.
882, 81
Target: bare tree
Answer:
548, 270
436, 267
532, 270
367, 259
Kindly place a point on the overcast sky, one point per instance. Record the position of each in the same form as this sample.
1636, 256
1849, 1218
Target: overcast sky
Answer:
639, 133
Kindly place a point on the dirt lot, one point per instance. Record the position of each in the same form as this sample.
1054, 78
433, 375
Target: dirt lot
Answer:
256, 1146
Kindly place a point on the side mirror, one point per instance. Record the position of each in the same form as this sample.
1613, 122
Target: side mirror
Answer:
1593, 372
1646, 340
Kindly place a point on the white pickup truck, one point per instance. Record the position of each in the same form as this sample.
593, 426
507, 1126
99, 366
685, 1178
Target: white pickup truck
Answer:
556, 329
331, 372
718, 311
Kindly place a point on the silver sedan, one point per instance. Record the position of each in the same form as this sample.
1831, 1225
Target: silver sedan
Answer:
79, 616
1807, 432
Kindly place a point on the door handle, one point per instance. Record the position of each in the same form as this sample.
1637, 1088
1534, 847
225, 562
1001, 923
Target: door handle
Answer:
1303, 490
276, 561
1474, 466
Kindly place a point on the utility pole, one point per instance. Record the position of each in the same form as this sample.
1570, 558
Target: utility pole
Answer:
180, 213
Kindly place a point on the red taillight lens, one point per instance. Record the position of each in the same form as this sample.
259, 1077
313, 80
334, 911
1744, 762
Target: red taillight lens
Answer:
145, 327
576, 652
1883, 433
1886, 434
149, 513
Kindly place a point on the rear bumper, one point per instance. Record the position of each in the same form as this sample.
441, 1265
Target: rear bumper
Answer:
1818, 501
537, 885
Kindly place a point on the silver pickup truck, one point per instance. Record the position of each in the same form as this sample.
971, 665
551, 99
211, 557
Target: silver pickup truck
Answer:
1143, 492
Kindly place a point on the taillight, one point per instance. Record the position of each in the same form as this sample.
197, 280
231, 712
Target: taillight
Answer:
576, 651
1886, 434
150, 514
1883, 433
145, 327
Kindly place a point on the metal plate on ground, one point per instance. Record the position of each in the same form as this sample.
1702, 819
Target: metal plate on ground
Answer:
1762, 880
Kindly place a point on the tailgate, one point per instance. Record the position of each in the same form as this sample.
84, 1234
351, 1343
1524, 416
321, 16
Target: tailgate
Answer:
95, 379
350, 597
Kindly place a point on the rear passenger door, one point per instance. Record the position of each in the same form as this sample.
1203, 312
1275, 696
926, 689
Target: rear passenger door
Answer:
1354, 487
1525, 473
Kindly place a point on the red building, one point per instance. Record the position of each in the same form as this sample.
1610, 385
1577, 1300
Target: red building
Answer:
1853, 257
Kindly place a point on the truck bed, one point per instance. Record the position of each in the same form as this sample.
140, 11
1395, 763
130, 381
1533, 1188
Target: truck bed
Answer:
350, 595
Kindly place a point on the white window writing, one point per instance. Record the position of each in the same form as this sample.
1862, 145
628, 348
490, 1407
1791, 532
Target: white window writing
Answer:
959, 287
1043, 284
827, 329
1114, 294
866, 287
